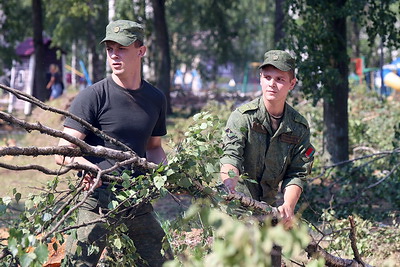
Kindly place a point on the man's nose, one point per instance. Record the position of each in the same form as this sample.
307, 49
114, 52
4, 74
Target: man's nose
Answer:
114, 54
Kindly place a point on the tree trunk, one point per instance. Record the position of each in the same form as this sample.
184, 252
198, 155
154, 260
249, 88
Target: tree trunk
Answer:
95, 65
336, 141
279, 20
39, 88
163, 62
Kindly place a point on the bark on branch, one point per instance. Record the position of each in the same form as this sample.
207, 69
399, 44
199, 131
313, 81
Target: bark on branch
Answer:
26, 97
316, 251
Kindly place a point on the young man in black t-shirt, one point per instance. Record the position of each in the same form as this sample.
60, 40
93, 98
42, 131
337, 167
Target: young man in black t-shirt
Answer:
129, 109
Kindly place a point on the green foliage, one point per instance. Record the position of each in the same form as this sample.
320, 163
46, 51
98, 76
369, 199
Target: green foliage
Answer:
218, 32
373, 129
320, 68
65, 18
372, 121
363, 189
240, 242
13, 17
372, 238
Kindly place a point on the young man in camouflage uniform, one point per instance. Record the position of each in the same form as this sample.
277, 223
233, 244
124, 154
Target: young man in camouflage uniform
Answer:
269, 141
129, 109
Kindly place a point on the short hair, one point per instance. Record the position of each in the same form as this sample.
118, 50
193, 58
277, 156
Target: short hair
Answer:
292, 75
138, 43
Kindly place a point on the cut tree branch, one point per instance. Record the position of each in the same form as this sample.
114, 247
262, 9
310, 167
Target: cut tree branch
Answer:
26, 97
353, 241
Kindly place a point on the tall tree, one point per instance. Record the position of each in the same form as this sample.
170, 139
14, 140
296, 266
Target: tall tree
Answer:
163, 58
39, 89
317, 32
279, 21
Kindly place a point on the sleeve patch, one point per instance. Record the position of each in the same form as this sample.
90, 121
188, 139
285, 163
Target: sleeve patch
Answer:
230, 134
309, 152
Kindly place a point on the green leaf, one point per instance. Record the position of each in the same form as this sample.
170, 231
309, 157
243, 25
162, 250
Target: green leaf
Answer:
210, 168
113, 204
125, 176
79, 250
163, 192
41, 253
118, 243
231, 173
126, 183
29, 204
143, 192
159, 181
169, 172
17, 197
197, 116
185, 182
50, 197
6, 200
26, 259
13, 246
46, 217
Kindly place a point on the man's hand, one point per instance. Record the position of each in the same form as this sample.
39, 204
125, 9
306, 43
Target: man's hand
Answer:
89, 180
230, 177
291, 195
230, 184
287, 215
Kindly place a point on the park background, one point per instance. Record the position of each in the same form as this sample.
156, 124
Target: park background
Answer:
204, 56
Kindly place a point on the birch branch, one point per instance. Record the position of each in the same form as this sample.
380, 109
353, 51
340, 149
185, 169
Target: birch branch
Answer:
26, 97
316, 251
353, 241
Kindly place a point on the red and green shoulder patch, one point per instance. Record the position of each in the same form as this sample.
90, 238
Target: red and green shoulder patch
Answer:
309, 152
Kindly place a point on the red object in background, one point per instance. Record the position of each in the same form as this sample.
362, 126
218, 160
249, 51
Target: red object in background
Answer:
359, 65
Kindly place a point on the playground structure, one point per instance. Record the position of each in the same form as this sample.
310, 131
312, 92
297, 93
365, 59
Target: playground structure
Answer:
22, 72
384, 82
391, 74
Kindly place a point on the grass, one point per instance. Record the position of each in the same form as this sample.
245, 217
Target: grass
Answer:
31, 181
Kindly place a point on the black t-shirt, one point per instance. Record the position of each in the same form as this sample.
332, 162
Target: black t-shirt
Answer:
130, 116
57, 77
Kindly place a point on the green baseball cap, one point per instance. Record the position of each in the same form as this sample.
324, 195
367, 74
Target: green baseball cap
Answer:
279, 59
124, 32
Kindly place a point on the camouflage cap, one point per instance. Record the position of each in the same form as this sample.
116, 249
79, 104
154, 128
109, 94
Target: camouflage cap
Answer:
124, 32
279, 59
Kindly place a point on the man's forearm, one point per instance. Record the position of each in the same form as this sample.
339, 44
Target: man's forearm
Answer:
156, 155
230, 176
291, 195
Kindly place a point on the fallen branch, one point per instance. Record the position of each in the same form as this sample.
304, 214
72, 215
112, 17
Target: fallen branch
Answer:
353, 241
245, 201
316, 251
29, 98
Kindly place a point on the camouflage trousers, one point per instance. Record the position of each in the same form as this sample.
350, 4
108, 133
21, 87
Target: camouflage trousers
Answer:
143, 228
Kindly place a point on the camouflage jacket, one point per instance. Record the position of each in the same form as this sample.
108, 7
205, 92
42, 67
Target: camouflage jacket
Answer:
266, 158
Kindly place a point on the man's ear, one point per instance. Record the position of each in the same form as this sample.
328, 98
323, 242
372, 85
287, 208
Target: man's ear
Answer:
142, 51
293, 83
